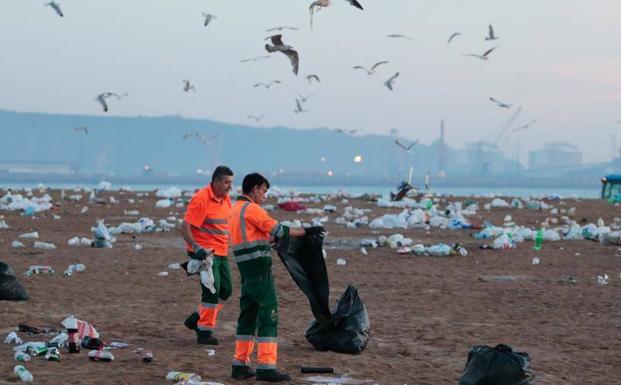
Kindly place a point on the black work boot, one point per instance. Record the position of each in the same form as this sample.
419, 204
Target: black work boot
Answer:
272, 375
191, 321
242, 372
205, 337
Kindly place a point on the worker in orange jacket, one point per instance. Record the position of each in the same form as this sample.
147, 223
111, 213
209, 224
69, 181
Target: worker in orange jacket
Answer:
205, 231
251, 232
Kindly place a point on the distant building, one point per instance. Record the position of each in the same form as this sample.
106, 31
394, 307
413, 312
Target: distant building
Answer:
484, 158
554, 155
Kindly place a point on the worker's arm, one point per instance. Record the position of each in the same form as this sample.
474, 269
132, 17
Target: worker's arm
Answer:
199, 251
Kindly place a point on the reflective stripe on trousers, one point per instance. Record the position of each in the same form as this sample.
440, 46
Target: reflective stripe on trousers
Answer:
208, 314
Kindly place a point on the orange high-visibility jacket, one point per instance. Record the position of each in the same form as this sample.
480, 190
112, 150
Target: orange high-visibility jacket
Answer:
208, 216
251, 229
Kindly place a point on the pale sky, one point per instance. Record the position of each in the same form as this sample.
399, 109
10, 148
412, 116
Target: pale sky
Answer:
560, 60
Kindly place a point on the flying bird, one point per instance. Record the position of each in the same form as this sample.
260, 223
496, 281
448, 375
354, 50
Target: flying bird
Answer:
405, 148
191, 134
255, 118
303, 98
208, 18
312, 77
255, 58
282, 28
187, 86
267, 85
389, 83
298, 107
82, 129
279, 46
491, 35
319, 4
453, 36
56, 7
101, 98
372, 70
485, 56
524, 127
500, 104
399, 36
342, 131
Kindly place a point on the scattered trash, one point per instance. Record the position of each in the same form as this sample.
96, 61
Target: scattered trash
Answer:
163, 203
363, 251
174, 266
75, 241
32, 235
337, 380
77, 268
17, 245
44, 245
39, 269
182, 376
602, 280
100, 355
535, 261
103, 239
147, 356
3, 225
84, 210
53, 354
22, 373
341, 262
498, 365
210, 352
21, 357
170, 192
137, 246
163, 274
83, 328
13, 338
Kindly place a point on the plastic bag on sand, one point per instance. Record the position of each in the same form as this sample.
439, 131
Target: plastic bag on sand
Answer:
497, 202
498, 366
102, 236
551, 235
347, 329
163, 203
503, 242
10, 288
84, 328
170, 192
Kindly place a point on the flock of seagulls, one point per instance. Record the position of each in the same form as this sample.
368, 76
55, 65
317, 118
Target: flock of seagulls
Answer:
317, 5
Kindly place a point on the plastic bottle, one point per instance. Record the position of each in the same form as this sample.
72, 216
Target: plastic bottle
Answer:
37, 350
73, 341
182, 376
53, 354
75, 269
23, 373
22, 357
39, 269
100, 355
538, 239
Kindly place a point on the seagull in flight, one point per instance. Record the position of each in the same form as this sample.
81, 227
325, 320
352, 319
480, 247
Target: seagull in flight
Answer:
453, 36
298, 106
372, 70
281, 28
399, 36
101, 98
187, 86
256, 118
524, 127
255, 58
319, 4
485, 56
267, 85
82, 129
208, 18
405, 148
56, 7
389, 83
500, 104
342, 131
303, 98
490, 34
312, 77
191, 134
279, 46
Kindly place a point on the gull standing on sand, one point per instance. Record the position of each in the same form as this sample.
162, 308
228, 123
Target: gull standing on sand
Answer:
389, 83
279, 46
372, 70
490, 34
56, 7
485, 56
453, 36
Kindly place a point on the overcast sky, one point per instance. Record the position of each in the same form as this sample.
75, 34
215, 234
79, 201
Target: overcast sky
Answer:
560, 60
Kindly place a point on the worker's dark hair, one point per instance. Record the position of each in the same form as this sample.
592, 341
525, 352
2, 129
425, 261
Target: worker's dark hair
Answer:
221, 171
254, 179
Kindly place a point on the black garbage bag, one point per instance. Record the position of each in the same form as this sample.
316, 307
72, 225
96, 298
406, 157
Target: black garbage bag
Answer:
347, 330
496, 366
10, 288
303, 258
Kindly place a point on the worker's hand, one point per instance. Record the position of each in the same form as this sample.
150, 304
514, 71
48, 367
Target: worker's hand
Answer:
316, 230
201, 253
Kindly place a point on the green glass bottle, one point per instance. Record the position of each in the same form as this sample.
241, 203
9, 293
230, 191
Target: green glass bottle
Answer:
538, 239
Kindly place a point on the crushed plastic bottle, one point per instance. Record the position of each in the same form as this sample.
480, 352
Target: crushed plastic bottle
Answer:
44, 245
175, 376
100, 355
76, 268
39, 269
22, 373
22, 357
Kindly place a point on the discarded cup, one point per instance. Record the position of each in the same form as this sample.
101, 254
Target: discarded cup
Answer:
536, 261
23, 373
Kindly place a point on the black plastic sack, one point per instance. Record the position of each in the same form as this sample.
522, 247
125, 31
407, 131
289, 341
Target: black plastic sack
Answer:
347, 330
10, 288
496, 366
303, 258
